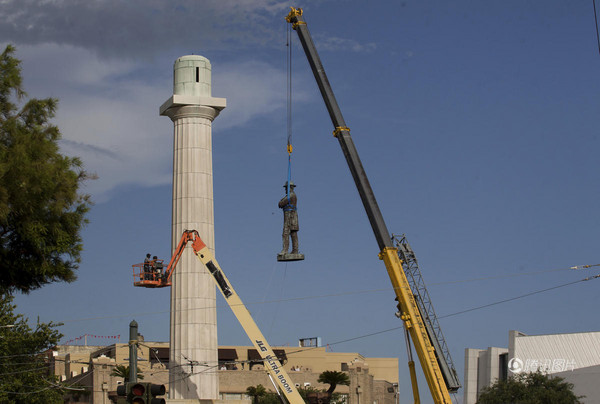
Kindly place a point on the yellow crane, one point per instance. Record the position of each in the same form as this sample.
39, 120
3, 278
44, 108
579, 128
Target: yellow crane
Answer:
441, 377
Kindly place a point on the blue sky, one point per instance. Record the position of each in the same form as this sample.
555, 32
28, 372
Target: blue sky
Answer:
476, 123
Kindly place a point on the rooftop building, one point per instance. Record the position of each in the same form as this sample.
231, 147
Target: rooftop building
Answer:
372, 380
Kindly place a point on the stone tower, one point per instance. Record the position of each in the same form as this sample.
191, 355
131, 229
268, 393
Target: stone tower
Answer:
194, 347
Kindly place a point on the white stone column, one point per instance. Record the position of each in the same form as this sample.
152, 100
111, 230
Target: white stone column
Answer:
193, 339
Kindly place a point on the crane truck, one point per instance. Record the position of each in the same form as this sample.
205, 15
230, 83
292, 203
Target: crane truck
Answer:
440, 375
150, 278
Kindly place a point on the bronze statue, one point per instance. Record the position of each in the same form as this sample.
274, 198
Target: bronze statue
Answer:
290, 225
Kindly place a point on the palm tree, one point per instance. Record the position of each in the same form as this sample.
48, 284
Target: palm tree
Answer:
123, 371
333, 378
255, 392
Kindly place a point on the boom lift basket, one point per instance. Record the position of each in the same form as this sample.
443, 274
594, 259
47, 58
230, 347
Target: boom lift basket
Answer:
147, 276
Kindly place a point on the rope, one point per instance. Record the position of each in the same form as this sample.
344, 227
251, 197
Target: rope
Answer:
267, 290
275, 316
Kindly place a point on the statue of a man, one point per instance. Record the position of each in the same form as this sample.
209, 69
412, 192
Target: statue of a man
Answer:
290, 219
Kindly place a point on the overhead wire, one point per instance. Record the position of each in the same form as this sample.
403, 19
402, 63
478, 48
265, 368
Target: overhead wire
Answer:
520, 297
20, 355
65, 386
275, 315
39, 368
54, 386
459, 312
511, 275
207, 368
346, 293
269, 285
26, 392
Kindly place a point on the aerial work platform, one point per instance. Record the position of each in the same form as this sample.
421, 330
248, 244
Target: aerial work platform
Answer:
150, 275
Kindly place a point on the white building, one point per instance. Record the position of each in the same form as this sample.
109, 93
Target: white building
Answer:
574, 357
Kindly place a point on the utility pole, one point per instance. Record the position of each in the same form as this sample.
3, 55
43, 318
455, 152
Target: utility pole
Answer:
133, 341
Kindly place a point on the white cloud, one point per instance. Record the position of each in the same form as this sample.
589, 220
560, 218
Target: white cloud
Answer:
139, 27
69, 65
122, 140
108, 109
332, 43
252, 88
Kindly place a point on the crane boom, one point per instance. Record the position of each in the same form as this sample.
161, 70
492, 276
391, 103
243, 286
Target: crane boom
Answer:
408, 310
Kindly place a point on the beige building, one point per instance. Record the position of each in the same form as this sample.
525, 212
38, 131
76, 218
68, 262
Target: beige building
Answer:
88, 368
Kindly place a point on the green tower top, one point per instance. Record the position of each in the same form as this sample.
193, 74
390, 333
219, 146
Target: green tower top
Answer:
192, 76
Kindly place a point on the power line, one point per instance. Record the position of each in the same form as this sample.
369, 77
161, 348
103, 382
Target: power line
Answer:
19, 355
335, 295
339, 294
207, 368
20, 393
519, 297
489, 278
52, 386
463, 311
40, 368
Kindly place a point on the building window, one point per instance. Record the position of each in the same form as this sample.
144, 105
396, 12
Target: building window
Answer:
233, 396
503, 366
197, 75
255, 359
159, 356
227, 359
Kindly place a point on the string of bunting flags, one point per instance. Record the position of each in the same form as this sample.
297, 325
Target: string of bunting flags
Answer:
84, 338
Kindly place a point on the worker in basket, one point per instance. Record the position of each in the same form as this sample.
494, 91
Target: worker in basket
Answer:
147, 275
158, 267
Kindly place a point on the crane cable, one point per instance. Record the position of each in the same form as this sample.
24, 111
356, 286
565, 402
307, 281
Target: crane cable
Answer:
596, 20
289, 147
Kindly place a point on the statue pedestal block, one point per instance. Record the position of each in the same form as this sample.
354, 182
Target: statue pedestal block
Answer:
290, 257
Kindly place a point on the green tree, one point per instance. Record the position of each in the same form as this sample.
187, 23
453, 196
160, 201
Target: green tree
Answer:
123, 371
25, 375
333, 378
256, 392
529, 388
305, 391
41, 210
